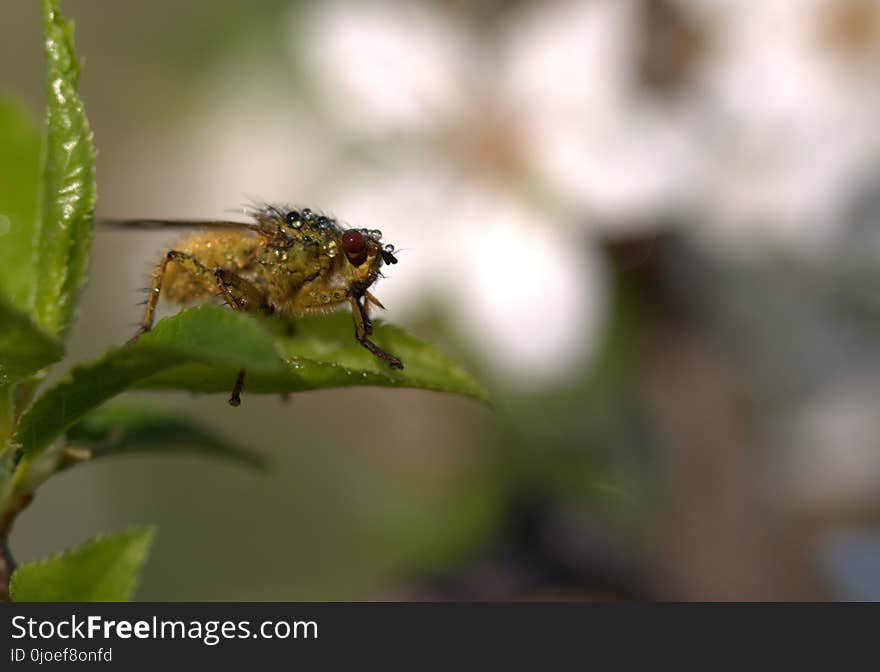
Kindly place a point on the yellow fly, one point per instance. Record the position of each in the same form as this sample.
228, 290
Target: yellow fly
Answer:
287, 262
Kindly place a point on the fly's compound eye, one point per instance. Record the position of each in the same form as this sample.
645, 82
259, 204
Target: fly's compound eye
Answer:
292, 219
355, 246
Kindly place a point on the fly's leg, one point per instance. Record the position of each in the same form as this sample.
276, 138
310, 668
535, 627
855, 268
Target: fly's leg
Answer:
235, 397
362, 330
189, 262
369, 300
241, 295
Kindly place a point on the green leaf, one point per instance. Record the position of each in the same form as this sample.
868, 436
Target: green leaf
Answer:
24, 347
321, 352
67, 195
19, 179
208, 334
202, 348
104, 569
122, 430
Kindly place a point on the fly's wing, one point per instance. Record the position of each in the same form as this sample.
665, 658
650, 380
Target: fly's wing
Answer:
270, 221
161, 224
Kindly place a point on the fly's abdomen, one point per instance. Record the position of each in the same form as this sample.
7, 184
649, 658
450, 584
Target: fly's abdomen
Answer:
191, 264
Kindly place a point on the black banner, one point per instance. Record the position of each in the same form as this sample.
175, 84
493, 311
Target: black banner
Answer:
408, 636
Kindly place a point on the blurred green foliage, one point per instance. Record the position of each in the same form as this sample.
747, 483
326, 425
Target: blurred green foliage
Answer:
115, 429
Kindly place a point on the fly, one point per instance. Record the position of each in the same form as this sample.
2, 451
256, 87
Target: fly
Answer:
287, 262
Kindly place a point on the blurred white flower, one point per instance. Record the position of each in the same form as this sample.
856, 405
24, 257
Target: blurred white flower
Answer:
792, 98
489, 146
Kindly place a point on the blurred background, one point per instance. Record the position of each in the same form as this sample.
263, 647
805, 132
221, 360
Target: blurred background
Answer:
652, 227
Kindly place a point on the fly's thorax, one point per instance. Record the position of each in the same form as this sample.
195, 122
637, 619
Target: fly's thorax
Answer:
309, 248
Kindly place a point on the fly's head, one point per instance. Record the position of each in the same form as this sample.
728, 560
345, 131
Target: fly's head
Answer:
365, 254
348, 258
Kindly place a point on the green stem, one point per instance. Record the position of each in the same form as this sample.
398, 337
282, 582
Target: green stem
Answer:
7, 518
30, 474
10, 503
23, 394
6, 416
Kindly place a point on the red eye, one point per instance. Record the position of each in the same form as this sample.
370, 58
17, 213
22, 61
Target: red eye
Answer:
355, 246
